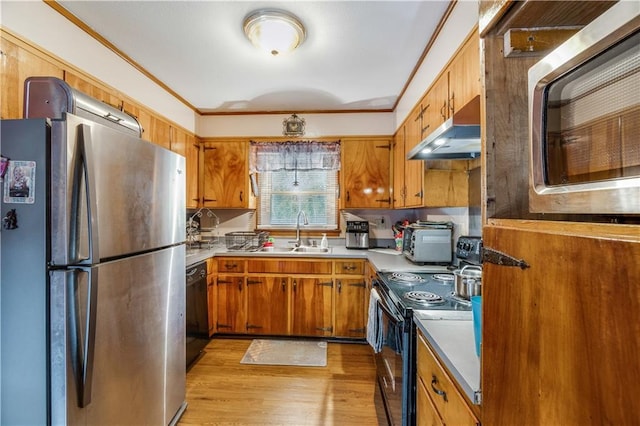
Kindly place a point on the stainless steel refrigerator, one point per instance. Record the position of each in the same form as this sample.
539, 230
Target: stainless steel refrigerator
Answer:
93, 272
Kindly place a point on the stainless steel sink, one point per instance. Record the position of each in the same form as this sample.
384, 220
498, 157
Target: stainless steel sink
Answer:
294, 250
311, 249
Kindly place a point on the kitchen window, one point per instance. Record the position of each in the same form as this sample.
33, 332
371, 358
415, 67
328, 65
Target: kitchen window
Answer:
295, 176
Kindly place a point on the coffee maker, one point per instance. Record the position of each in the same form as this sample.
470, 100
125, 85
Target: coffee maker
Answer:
357, 235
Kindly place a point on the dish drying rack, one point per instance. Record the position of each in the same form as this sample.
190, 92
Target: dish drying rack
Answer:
195, 237
245, 241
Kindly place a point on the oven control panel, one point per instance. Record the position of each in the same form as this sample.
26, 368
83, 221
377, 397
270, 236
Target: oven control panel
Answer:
469, 249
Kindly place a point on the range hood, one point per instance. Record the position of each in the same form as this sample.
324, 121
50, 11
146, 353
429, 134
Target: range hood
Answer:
458, 138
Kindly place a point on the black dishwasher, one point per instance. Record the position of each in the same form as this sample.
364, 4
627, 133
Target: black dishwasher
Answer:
197, 325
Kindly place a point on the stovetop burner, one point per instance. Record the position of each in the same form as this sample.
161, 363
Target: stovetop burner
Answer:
445, 278
424, 297
406, 277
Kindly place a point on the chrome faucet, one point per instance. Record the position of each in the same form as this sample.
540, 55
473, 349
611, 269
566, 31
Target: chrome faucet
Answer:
306, 222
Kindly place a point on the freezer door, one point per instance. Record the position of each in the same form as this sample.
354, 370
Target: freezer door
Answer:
117, 341
112, 194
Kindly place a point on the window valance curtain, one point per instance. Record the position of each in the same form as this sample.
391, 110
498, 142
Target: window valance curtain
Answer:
294, 155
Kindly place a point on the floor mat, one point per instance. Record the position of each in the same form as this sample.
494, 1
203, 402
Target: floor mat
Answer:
303, 353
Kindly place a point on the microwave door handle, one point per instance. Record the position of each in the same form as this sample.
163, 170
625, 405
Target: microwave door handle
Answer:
87, 158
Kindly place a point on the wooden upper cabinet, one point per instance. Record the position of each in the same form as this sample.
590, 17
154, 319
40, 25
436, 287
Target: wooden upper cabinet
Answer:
16, 64
366, 173
436, 104
464, 75
186, 145
398, 168
226, 174
408, 175
94, 89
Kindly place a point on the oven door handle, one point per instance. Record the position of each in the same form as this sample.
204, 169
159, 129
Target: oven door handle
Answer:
395, 319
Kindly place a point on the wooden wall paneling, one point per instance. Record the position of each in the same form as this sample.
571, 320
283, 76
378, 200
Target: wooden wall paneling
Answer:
94, 89
16, 64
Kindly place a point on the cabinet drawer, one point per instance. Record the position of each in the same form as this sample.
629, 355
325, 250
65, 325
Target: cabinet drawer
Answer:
426, 413
449, 403
350, 267
288, 266
230, 264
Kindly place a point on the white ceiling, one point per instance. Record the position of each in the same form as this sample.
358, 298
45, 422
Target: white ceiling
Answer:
358, 55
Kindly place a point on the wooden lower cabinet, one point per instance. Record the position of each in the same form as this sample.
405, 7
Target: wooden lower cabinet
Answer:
560, 337
267, 302
426, 412
444, 404
311, 306
281, 296
231, 314
350, 299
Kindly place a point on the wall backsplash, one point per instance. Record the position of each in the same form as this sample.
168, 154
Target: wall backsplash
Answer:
467, 221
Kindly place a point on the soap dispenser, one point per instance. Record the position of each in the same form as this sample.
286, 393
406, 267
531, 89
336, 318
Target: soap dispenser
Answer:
324, 243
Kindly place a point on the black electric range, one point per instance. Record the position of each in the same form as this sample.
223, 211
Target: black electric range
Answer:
430, 294
403, 295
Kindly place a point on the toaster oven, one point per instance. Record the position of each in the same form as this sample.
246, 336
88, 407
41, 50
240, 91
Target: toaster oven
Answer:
428, 242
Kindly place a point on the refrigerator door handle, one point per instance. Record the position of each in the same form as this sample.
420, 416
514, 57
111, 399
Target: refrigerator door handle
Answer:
87, 158
82, 350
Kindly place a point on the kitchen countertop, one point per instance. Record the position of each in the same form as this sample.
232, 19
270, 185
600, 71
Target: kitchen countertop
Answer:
454, 344
382, 259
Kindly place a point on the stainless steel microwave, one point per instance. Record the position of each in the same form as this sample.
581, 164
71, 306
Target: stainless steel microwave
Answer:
584, 119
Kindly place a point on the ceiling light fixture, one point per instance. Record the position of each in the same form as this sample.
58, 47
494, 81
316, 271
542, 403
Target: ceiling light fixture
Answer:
275, 31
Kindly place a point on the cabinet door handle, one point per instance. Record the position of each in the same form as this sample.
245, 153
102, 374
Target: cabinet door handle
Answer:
349, 268
339, 286
284, 285
442, 110
452, 102
348, 197
434, 381
241, 196
295, 285
240, 284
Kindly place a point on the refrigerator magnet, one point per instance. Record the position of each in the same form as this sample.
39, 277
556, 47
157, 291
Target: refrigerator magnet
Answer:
19, 183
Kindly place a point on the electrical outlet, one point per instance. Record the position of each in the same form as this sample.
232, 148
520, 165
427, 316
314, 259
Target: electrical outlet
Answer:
379, 221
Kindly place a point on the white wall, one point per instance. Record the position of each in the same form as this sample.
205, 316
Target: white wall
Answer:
462, 19
42, 25
316, 125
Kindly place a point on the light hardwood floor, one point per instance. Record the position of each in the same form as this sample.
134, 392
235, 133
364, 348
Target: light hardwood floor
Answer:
221, 391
